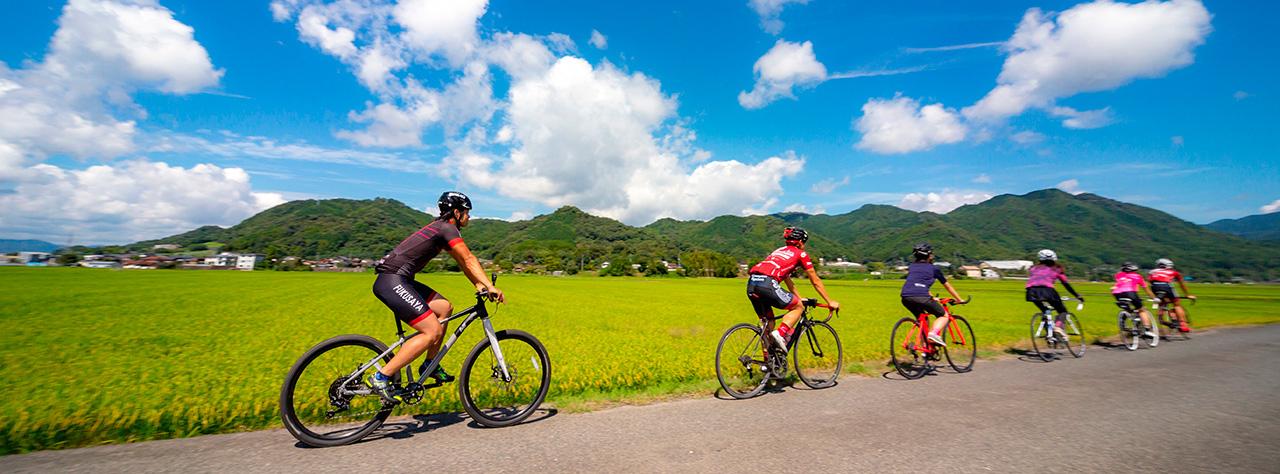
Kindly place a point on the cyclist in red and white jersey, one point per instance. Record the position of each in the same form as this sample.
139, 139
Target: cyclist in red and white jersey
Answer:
1162, 278
765, 293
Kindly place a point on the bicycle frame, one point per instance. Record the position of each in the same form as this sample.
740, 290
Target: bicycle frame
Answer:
917, 338
479, 311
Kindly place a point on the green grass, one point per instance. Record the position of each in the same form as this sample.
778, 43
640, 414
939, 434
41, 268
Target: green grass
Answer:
102, 356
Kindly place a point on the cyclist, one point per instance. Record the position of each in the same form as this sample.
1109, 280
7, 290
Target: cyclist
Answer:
915, 291
1040, 290
417, 304
1162, 278
765, 294
1128, 280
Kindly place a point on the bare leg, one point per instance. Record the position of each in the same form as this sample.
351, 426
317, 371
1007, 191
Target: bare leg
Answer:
415, 346
443, 309
793, 316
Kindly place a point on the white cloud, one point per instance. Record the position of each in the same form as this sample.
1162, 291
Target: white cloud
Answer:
982, 179
128, 201
235, 146
1071, 186
786, 65
1091, 47
314, 28
769, 10
595, 137
599, 40
1027, 137
1083, 119
519, 216
943, 202
1269, 208
828, 185
1176, 140
445, 27
1240, 95
797, 207
901, 125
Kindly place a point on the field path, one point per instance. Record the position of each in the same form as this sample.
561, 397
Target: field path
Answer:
1211, 404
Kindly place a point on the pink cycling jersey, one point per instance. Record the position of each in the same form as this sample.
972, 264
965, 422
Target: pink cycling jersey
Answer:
1128, 282
1045, 275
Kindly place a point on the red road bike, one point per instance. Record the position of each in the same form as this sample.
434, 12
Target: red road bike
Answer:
913, 354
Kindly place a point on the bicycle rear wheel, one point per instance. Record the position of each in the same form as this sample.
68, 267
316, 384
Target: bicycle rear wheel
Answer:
1040, 338
494, 399
1075, 341
740, 363
1130, 330
962, 348
325, 401
818, 355
905, 346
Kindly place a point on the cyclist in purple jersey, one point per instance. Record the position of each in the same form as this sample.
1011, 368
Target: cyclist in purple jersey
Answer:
1040, 282
915, 291
417, 304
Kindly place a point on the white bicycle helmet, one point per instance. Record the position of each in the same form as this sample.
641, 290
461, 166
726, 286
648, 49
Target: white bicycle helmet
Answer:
1164, 263
1047, 255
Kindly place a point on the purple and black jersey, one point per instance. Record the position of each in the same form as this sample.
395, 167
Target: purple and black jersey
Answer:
419, 248
920, 276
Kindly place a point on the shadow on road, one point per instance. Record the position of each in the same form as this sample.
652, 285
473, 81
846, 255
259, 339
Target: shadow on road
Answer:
1030, 356
427, 423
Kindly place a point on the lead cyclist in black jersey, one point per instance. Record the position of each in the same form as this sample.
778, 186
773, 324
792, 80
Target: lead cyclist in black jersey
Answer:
417, 304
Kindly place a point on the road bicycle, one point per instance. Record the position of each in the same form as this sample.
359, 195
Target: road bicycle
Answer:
746, 360
1169, 319
912, 353
1049, 343
326, 400
1133, 331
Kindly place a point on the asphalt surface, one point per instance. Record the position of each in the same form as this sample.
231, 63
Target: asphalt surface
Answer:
1204, 405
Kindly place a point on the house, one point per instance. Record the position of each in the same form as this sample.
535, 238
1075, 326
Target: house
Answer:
222, 260
248, 261
99, 264
34, 259
1007, 265
840, 263
971, 271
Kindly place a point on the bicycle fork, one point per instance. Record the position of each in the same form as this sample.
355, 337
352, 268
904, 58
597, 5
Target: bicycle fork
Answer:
497, 351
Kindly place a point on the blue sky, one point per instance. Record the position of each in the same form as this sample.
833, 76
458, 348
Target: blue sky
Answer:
675, 109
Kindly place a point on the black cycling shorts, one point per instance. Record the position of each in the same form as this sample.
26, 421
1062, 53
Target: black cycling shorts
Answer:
1164, 291
1129, 300
765, 293
405, 296
918, 305
1046, 297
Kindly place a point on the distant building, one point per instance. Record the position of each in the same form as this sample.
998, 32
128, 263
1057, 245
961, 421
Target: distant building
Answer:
222, 260
99, 264
34, 259
1007, 265
840, 263
166, 247
248, 261
971, 271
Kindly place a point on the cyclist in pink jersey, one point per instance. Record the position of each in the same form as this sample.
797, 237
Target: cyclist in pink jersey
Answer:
1040, 282
766, 294
1128, 280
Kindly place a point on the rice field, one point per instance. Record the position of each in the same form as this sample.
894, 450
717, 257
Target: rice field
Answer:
107, 356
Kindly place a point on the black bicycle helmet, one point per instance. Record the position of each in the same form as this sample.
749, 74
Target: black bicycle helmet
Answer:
795, 234
453, 200
922, 251
1129, 267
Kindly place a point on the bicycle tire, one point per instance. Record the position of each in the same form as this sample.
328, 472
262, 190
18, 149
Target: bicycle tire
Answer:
813, 340
538, 368
289, 399
1130, 330
1039, 340
1075, 342
740, 373
969, 346
908, 361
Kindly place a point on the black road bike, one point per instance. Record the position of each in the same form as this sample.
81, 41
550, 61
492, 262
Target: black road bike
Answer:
746, 359
326, 400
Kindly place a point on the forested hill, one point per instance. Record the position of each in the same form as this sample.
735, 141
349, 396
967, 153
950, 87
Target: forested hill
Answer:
1089, 231
1259, 227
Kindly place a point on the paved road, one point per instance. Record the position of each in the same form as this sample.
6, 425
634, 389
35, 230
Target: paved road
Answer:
1209, 404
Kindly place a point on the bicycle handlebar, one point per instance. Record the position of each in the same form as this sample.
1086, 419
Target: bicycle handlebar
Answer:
953, 301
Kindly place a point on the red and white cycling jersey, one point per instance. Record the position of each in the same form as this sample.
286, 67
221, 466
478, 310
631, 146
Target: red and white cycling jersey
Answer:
780, 263
1164, 275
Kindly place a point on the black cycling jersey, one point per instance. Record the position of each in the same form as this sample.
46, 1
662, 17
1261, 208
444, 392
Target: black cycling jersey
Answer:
419, 248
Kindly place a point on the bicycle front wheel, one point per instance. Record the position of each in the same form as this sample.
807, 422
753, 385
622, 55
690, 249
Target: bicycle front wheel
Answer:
1075, 341
962, 348
494, 398
740, 363
325, 400
818, 355
906, 349
1130, 330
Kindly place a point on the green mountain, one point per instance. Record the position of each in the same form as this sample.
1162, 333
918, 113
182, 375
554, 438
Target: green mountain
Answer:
1257, 227
1092, 233
12, 246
